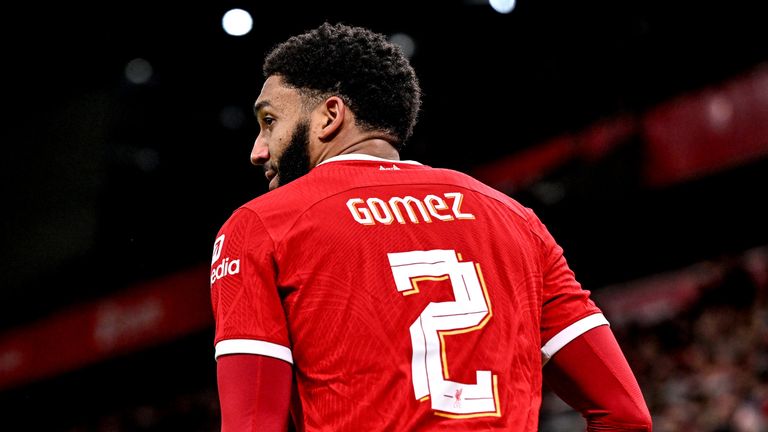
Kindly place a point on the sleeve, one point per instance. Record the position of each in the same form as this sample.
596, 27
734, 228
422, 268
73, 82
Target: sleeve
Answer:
592, 375
567, 309
254, 393
246, 304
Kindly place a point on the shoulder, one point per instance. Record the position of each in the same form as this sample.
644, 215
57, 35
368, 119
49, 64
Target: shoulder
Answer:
525, 214
282, 205
467, 181
243, 222
276, 212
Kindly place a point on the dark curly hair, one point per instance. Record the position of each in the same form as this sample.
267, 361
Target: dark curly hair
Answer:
371, 75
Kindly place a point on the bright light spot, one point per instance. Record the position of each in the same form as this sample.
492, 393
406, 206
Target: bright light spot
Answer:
720, 111
405, 41
237, 22
502, 6
138, 71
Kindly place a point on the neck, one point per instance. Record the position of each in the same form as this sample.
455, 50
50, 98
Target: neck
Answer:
377, 147
373, 147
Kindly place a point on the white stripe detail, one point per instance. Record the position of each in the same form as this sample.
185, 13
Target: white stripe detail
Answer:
365, 157
251, 346
570, 333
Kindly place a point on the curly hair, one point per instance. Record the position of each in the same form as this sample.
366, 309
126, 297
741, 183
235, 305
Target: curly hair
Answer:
371, 75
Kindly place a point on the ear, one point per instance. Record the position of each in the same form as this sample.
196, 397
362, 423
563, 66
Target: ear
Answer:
333, 112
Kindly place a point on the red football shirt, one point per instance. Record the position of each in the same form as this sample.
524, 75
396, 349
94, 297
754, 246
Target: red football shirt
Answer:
406, 297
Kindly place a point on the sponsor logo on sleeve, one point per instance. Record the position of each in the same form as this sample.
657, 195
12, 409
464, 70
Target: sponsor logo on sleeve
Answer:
226, 267
217, 246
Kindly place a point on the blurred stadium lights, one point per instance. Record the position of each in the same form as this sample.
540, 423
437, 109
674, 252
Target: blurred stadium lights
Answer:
237, 22
138, 71
720, 112
500, 6
405, 41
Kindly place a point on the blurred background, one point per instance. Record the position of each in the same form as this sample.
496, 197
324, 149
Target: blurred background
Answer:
638, 130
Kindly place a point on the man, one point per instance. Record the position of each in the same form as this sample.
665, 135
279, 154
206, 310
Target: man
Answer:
366, 293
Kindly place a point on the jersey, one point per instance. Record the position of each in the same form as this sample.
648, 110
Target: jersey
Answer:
406, 297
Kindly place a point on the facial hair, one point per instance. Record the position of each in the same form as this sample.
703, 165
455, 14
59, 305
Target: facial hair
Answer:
294, 162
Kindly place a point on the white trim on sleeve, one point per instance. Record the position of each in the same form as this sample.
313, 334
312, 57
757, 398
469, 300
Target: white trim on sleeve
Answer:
570, 333
252, 346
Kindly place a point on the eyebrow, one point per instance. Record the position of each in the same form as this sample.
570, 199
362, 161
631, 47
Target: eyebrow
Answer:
260, 106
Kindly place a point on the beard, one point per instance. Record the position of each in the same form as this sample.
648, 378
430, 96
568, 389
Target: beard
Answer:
294, 162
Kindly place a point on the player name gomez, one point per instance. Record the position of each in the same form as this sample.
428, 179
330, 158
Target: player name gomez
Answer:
408, 209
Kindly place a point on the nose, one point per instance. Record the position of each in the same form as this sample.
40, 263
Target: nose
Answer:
260, 151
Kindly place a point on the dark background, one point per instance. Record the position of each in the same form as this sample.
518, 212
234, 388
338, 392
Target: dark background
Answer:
108, 183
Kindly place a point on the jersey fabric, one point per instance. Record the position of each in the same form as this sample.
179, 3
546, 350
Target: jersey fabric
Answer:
406, 297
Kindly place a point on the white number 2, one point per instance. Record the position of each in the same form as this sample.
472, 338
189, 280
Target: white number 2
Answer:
470, 311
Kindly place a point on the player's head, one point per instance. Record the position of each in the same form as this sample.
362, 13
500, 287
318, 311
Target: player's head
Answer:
371, 74
326, 68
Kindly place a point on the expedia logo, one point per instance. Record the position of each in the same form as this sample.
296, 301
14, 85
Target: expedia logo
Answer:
226, 267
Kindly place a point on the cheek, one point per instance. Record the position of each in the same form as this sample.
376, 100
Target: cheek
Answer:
278, 143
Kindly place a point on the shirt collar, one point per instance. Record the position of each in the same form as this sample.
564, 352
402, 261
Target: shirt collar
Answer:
365, 157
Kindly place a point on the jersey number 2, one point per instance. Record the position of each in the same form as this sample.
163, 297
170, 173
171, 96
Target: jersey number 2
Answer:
470, 311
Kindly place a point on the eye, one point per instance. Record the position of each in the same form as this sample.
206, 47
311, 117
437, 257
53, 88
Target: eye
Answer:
266, 121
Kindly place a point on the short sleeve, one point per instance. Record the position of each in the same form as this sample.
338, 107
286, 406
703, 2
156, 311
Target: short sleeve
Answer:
567, 309
246, 303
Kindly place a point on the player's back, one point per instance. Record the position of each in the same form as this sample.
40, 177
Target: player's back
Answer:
412, 296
